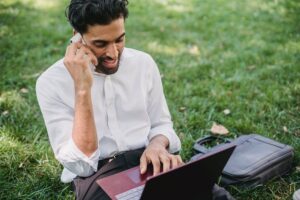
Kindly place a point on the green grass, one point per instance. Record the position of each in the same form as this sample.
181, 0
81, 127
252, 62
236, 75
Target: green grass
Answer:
214, 55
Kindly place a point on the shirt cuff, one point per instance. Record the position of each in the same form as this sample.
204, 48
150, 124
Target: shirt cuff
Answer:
174, 142
91, 160
71, 154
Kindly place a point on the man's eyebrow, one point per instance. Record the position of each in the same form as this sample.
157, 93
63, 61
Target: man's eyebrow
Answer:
105, 41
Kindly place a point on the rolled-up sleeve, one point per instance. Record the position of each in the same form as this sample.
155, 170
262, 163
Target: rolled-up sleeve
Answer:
58, 118
161, 123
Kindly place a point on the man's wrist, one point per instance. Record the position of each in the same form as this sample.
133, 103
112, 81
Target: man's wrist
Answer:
160, 140
82, 92
82, 88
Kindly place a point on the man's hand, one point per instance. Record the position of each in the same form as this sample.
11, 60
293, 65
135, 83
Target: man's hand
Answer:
156, 154
77, 60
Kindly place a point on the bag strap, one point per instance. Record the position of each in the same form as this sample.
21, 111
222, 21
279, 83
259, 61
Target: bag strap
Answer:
199, 144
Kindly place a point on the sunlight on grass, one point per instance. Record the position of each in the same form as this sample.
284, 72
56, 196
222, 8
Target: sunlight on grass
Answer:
42, 4
159, 48
228, 55
31, 76
272, 7
4, 30
173, 50
291, 47
7, 142
257, 43
175, 5
10, 11
38, 4
12, 99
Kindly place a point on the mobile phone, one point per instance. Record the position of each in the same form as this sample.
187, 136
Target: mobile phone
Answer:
77, 38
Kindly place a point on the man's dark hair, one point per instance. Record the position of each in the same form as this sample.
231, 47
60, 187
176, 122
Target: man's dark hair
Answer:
82, 13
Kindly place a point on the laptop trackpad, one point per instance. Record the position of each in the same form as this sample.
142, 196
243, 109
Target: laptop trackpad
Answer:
137, 177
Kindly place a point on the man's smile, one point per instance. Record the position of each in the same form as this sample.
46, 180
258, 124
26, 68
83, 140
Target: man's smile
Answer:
110, 63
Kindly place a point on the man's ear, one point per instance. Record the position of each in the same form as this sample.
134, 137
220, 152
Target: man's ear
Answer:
74, 32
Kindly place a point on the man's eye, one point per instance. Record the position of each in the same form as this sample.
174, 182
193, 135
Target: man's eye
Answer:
119, 40
100, 45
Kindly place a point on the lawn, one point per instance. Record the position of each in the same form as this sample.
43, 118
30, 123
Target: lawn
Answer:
213, 55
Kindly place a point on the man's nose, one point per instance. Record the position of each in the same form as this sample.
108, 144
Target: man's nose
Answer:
112, 51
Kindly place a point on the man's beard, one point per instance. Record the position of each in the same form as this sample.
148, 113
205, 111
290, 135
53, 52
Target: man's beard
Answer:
101, 68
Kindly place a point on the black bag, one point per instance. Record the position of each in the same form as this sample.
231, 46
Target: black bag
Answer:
255, 160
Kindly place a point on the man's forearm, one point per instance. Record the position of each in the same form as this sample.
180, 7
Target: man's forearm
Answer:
84, 130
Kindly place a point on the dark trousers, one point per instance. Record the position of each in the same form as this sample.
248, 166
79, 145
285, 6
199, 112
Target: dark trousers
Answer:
86, 188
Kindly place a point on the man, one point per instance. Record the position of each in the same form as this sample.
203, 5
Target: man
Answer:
103, 104
109, 118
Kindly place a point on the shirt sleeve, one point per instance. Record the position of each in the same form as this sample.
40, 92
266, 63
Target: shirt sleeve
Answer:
161, 123
58, 118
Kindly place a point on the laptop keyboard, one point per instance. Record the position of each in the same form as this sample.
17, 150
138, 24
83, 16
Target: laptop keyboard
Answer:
132, 194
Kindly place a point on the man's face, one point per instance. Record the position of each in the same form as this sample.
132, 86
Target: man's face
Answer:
107, 42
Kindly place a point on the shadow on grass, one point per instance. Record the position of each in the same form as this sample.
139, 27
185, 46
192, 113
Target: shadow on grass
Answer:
293, 10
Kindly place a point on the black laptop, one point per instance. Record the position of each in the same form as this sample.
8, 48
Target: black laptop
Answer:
193, 180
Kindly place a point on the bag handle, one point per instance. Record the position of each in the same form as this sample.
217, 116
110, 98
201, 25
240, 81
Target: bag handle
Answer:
199, 144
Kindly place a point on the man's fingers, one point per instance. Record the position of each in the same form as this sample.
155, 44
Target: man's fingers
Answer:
80, 54
76, 49
143, 164
166, 163
72, 49
179, 159
175, 161
156, 165
89, 54
93, 58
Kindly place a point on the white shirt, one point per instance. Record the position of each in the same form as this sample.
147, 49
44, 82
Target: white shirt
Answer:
129, 110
